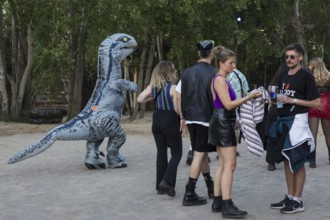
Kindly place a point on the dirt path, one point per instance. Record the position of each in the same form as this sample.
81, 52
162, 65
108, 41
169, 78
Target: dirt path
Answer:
56, 184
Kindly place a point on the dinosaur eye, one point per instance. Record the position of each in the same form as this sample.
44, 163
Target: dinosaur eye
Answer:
123, 39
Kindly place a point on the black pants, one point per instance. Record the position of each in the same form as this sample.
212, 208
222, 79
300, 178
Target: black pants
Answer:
166, 131
272, 154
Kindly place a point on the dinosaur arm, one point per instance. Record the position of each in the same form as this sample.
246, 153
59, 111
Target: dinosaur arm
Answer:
125, 85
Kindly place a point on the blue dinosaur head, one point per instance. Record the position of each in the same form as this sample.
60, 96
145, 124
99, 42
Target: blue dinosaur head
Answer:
118, 46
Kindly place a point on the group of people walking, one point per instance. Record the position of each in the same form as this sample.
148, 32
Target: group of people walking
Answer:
204, 104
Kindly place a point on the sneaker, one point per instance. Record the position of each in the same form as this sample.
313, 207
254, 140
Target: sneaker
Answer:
281, 204
293, 207
271, 167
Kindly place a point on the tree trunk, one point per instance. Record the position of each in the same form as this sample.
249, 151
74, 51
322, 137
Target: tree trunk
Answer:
27, 72
141, 71
72, 76
160, 47
300, 30
14, 49
3, 69
80, 69
73, 45
19, 59
129, 95
148, 73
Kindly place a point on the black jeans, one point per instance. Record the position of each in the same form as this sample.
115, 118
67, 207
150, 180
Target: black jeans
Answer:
166, 132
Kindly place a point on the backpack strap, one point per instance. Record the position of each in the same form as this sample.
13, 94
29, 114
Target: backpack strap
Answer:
240, 82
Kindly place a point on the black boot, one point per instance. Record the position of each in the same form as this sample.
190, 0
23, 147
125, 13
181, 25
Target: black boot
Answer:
163, 185
217, 204
190, 196
209, 185
271, 167
229, 210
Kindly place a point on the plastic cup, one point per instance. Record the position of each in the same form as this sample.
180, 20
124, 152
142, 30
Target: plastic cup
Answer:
279, 100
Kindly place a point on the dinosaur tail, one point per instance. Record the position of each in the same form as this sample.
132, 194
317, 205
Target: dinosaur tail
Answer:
36, 148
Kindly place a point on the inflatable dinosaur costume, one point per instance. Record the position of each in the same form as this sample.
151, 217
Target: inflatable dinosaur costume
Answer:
101, 116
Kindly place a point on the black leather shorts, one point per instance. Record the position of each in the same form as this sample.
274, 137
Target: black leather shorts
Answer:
222, 128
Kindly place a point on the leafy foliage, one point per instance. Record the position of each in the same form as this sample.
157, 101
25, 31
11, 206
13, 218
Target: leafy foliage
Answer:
256, 29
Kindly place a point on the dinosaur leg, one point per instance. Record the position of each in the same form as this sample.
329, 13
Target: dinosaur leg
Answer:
115, 160
92, 159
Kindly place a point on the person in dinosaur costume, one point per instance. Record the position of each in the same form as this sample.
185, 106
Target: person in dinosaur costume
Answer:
101, 116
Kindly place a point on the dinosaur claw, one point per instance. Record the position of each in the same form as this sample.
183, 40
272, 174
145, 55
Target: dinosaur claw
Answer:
94, 166
123, 165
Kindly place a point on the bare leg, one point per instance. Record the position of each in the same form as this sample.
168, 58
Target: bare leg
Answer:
205, 166
218, 174
196, 164
295, 181
228, 156
299, 181
289, 177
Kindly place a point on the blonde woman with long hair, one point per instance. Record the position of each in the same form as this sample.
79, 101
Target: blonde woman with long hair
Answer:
165, 125
315, 115
222, 132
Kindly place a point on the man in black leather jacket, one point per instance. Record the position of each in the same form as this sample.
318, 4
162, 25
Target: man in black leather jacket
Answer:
196, 105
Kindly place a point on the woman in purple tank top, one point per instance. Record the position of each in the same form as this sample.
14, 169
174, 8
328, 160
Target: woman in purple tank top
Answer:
222, 133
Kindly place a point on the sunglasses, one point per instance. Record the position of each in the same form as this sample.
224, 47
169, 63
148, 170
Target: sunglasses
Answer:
292, 57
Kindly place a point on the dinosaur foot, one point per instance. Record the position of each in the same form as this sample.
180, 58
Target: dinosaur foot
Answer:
123, 165
94, 166
116, 161
93, 162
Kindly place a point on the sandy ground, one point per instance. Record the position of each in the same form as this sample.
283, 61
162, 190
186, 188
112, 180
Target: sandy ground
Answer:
56, 185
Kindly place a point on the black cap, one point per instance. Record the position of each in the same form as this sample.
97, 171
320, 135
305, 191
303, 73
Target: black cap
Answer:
205, 45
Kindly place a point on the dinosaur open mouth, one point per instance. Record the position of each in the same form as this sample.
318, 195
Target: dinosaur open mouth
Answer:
128, 47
